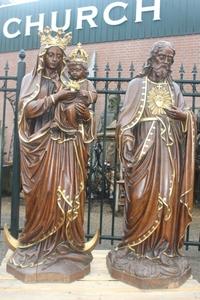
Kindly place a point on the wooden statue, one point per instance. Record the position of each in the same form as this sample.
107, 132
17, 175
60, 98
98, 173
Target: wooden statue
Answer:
156, 144
55, 127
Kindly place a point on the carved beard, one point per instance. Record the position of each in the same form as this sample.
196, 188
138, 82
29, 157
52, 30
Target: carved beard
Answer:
161, 71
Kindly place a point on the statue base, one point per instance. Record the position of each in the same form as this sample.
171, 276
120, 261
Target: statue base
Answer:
63, 271
125, 269
65, 266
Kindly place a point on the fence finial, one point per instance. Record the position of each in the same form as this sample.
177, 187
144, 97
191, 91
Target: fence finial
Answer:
119, 67
131, 70
194, 70
181, 71
6, 68
107, 69
22, 54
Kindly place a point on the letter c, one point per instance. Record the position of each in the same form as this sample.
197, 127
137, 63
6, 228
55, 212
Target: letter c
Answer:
7, 24
106, 14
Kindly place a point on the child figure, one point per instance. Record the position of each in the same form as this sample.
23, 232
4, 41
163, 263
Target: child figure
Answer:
84, 91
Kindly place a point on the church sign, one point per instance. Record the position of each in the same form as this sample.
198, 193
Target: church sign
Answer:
93, 21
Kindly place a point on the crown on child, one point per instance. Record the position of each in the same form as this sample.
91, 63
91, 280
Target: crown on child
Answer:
79, 55
60, 39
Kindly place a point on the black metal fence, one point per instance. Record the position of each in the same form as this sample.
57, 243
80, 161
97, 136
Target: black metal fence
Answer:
9, 93
104, 189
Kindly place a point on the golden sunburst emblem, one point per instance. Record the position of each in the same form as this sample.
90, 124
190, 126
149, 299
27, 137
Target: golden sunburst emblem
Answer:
159, 98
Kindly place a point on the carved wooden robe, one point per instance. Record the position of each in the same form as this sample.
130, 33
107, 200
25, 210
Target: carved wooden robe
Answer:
54, 155
159, 182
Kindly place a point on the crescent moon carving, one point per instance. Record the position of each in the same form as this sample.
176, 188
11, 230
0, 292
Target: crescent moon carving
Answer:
88, 246
13, 243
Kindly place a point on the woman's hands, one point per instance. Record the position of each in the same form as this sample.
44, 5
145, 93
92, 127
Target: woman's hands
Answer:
64, 94
67, 95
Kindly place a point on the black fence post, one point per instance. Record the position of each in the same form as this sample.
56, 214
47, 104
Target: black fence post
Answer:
91, 158
194, 74
15, 201
2, 133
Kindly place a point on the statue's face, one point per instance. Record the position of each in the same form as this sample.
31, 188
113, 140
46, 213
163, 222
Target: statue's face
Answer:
162, 61
77, 71
53, 58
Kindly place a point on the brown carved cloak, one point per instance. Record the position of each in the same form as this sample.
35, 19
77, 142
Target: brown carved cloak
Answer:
159, 184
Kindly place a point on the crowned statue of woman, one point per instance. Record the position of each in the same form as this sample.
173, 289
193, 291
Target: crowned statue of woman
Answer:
54, 132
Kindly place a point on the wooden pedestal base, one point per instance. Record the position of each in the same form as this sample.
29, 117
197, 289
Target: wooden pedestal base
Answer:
63, 271
147, 283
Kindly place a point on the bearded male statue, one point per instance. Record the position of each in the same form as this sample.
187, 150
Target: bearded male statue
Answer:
156, 144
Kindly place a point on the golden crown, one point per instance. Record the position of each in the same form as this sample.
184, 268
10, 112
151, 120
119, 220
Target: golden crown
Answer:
60, 39
79, 55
